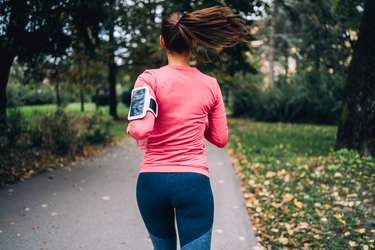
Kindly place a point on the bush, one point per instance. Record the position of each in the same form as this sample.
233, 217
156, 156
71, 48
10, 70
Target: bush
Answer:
11, 127
53, 130
43, 95
308, 98
14, 95
63, 133
97, 126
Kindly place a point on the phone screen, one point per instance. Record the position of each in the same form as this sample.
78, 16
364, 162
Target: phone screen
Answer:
137, 104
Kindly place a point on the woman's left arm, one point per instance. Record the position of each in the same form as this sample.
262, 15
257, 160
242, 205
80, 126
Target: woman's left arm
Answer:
141, 128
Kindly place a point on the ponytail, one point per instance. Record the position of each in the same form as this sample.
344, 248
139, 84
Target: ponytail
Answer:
215, 27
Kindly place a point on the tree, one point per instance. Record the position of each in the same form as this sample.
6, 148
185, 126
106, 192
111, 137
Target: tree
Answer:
35, 28
271, 59
357, 126
27, 29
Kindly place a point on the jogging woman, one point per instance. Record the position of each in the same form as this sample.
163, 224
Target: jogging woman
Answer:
174, 108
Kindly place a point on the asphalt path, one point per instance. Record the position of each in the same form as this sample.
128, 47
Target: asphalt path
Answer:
90, 204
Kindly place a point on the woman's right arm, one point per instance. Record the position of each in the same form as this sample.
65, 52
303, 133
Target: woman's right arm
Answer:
216, 130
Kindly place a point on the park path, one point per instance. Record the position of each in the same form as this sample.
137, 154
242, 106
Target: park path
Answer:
91, 205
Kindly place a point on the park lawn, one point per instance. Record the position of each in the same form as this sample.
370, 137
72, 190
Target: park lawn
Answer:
29, 110
300, 194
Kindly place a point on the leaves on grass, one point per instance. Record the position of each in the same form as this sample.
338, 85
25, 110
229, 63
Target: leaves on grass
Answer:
299, 197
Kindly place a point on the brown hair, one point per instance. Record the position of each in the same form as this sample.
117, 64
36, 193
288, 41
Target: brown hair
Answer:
215, 27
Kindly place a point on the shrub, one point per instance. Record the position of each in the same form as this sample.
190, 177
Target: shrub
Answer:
14, 125
43, 95
14, 95
11, 128
53, 130
63, 133
308, 98
96, 127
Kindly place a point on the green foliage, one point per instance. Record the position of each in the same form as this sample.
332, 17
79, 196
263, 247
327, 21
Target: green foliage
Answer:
19, 94
65, 132
96, 127
299, 193
52, 138
308, 98
14, 95
11, 128
38, 96
53, 130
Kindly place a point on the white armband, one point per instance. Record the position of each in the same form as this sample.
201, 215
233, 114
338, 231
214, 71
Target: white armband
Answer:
141, 102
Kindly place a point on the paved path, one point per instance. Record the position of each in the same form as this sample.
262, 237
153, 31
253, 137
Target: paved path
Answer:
91, 205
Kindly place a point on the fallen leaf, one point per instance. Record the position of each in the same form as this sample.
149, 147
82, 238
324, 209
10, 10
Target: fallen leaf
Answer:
361, 230
287, 197
297, 203
283, 240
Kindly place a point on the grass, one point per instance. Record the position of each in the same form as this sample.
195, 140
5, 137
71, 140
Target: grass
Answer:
299, 193
30, 110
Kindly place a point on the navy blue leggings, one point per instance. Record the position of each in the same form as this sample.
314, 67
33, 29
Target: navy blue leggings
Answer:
162, 197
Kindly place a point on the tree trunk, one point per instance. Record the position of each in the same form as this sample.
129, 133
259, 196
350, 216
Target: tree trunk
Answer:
6, 61
81, 95
112, 87
57, 88
271, 59
97, 99
112, 70
286, 63
357, 126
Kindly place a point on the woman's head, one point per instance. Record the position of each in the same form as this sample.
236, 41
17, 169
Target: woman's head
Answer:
215, 27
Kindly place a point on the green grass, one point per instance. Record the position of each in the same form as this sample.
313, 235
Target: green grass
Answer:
29, 111
300, 194
284, 140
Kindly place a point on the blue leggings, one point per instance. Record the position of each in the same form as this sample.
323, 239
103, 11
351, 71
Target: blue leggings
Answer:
162, 197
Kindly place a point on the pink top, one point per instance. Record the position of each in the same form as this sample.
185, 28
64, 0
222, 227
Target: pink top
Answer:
191, 108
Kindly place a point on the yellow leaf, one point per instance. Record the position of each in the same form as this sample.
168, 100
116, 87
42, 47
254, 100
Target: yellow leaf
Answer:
361, 230
282, 172
337, 216
283, 240
290, 232
342, 221
287, 197
326, 206
297, 203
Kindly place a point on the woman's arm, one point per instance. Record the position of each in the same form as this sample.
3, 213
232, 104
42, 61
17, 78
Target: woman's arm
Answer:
141, 128
216, 129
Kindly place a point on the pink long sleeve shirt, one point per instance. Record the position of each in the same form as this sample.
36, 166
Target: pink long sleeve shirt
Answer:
191, 109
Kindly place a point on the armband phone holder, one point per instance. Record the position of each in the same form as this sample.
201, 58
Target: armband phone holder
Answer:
141, 102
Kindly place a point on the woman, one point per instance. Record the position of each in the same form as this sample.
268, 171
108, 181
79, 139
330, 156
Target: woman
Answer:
174, 177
